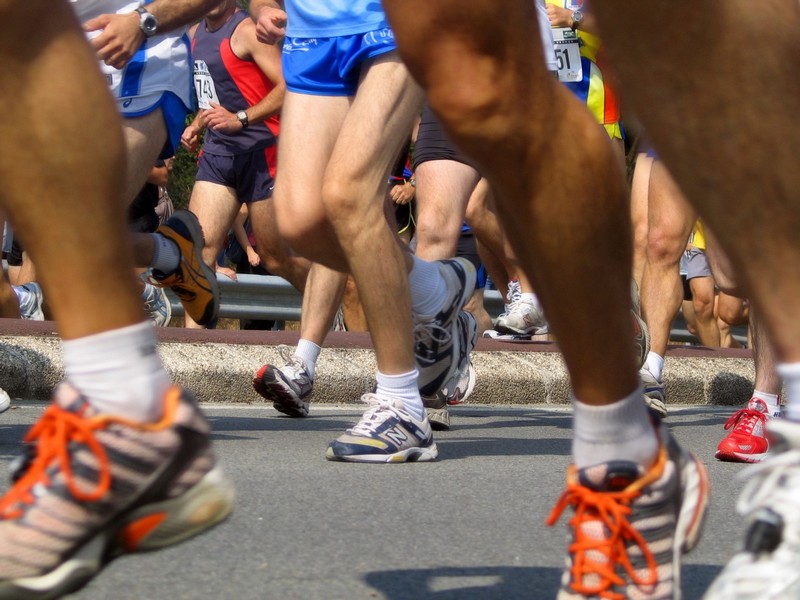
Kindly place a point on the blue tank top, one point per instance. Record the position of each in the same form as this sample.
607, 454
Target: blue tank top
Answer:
333, 18
235, 84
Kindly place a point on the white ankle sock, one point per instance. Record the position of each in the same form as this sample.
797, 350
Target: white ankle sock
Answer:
655, 364
166, 255
773, 402
119, 371
403, 386
618, 431
309, 352
790, 373
427, 286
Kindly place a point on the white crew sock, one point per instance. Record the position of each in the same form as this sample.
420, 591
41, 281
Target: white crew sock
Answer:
619, 431
655, 364
790, 373
773, 402
427, 287
309, 353
166, 255
403, 386
119, 371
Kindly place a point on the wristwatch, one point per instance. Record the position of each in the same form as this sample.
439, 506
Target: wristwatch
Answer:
147, 22
243, 119
577, 19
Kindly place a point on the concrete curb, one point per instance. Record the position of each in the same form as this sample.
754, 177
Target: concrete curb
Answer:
218, 366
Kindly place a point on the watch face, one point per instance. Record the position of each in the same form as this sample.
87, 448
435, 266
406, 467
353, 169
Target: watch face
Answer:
149, 23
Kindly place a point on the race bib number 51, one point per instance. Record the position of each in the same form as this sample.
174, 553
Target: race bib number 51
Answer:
568, 54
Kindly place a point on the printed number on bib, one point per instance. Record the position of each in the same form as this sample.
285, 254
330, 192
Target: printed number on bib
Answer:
204, 85
568, 54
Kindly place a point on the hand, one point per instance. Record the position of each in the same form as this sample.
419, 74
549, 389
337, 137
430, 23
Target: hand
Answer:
227, 272
190, 138
402, 194
253, 258
220, 119
270, 25
119, 39
559, 16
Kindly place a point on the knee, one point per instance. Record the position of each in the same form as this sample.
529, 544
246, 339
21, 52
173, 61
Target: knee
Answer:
703, 307
664, 248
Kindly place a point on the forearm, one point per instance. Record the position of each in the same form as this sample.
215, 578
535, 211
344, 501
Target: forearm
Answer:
257, 5
172, 14
268, 106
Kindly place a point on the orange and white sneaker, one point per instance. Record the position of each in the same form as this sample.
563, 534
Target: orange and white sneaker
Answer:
631, 526
94, 486
747, 440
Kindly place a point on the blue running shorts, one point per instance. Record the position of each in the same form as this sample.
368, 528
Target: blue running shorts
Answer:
173, 110
332, 66
249, 174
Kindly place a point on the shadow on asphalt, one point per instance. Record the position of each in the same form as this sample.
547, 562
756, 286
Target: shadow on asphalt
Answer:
500, 583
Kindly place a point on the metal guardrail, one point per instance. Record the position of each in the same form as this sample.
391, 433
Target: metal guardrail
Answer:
267, 297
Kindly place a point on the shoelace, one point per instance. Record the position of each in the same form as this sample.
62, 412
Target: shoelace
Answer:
52, 435
375, 415
773, 483
744, 420
428, 334
612, 510
293, 365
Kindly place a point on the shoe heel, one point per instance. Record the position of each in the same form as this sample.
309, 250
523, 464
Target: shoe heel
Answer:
696, 487
169, 522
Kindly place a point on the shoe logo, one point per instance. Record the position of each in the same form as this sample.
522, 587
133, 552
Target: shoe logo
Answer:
397, 436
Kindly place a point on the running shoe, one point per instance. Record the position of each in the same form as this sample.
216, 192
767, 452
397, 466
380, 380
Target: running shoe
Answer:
5, 401
654, 393
386, 433
157, 305
493, 334
766, 567
95, 486
288, 387
747, 441
523, 318
194, 282
631, 526
30, 301
437, 347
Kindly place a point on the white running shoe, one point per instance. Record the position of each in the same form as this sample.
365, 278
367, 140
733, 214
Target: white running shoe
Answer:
767, 567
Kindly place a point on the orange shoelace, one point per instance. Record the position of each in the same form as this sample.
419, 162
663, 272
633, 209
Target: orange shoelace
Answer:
52, 436
611, 509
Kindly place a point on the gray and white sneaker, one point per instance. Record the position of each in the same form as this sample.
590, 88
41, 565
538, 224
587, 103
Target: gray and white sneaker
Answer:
30, 301
766, 566
654, 394
386, 433
461, 383
288, 387
641, 333
522, 317
157, 304
5, 401
631, 526
437, 347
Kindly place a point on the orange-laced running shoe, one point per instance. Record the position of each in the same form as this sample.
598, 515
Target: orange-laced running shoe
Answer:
194, 282
95, 486
630, 526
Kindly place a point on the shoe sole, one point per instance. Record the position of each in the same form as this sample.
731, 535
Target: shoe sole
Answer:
740, 457
267, 385
189, 220
151, 527
417, 454
439, 418
457, 398
505, 330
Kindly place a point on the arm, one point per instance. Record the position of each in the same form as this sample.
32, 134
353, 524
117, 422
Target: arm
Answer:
562, 17
270, 19
121, 36
268, 58
241, 236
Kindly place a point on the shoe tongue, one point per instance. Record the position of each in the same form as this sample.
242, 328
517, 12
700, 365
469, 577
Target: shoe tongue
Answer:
612, 476
758, 405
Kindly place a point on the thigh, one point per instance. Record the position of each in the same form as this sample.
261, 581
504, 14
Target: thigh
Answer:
144, 139
375, 127
670, 217
443, 191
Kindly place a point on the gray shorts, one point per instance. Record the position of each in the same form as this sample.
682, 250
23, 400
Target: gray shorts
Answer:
696, 264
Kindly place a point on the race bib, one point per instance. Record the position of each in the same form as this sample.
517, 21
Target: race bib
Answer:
568, 54
204, 85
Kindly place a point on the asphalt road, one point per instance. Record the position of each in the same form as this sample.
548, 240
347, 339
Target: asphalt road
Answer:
468, 526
